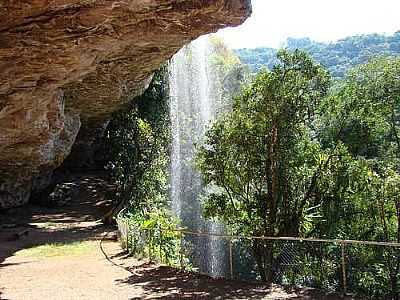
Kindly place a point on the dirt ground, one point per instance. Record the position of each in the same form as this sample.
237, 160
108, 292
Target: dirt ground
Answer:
99, 269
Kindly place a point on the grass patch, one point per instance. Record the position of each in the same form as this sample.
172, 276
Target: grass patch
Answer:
59, 249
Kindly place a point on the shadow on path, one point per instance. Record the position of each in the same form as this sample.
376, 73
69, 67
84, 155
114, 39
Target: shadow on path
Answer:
162, 282
78, 221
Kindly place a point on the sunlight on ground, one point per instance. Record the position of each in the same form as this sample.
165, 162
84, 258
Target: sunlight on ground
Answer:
59, 249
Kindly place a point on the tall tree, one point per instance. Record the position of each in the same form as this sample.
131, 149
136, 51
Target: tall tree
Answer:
368, 111
260, 159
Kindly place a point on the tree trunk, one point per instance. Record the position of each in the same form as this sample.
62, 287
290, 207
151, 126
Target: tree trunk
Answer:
259, 260
269, 259
108, 218
263, 253
393, 284
271, 184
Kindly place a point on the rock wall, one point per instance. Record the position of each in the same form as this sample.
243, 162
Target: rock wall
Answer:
68, 64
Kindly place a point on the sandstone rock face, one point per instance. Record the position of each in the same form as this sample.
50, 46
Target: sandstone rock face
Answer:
67, 64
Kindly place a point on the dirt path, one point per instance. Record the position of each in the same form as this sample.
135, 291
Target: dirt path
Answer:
33, 267
87, 276
60, 258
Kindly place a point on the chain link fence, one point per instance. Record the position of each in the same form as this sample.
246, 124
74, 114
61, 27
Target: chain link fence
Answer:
369, 270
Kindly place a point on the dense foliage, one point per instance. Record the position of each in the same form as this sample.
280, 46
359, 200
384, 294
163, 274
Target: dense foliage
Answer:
364, 193
153, 235
258, 157
296, 158
137, 139
290, 155
337, 57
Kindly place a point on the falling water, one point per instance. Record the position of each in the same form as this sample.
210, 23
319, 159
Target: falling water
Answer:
192, 109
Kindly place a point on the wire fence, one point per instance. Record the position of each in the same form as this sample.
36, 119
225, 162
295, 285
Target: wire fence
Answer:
367, 269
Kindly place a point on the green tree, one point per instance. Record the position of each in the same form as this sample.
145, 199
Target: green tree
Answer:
137, 139
364, 202
260, 159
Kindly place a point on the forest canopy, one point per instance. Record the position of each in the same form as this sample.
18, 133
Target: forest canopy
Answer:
338, 57
296, 156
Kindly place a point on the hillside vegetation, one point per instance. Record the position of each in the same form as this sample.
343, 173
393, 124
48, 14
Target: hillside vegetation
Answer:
337, 57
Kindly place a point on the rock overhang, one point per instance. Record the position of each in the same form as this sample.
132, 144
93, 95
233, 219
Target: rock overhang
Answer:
66, 65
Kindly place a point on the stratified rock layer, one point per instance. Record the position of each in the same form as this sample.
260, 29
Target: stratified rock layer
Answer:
71, 63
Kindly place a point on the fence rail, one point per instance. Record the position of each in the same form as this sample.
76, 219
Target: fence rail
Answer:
282, 238
358, 267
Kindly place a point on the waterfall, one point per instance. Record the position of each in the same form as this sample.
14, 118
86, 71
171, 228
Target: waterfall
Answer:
193, 98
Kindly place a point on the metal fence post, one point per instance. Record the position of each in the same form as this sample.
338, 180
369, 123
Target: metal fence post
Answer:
127, 236
160, 246
344, 268
230, 258
181, 251
149, 242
